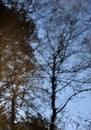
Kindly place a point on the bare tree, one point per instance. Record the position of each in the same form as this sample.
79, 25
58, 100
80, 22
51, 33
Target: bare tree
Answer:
63, 59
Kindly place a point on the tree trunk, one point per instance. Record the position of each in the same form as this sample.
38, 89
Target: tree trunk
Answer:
13, 111
53, 97
53, 117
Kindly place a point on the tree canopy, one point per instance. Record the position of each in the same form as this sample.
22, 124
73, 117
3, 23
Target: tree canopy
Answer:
16, 58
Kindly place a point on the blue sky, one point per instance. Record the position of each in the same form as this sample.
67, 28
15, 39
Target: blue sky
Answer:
79, 108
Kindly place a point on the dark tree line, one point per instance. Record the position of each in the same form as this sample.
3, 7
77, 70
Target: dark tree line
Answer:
16, 59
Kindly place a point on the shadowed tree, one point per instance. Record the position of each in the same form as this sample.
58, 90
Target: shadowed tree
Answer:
16, 58
4, 122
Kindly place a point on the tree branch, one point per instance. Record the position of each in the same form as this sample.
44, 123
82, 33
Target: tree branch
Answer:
70, 98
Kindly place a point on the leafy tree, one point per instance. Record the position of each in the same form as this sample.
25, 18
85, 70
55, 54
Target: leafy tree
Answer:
16, 58
32, 123
4, 122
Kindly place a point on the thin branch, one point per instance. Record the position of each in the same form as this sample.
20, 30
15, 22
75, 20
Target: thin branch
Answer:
70, 98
